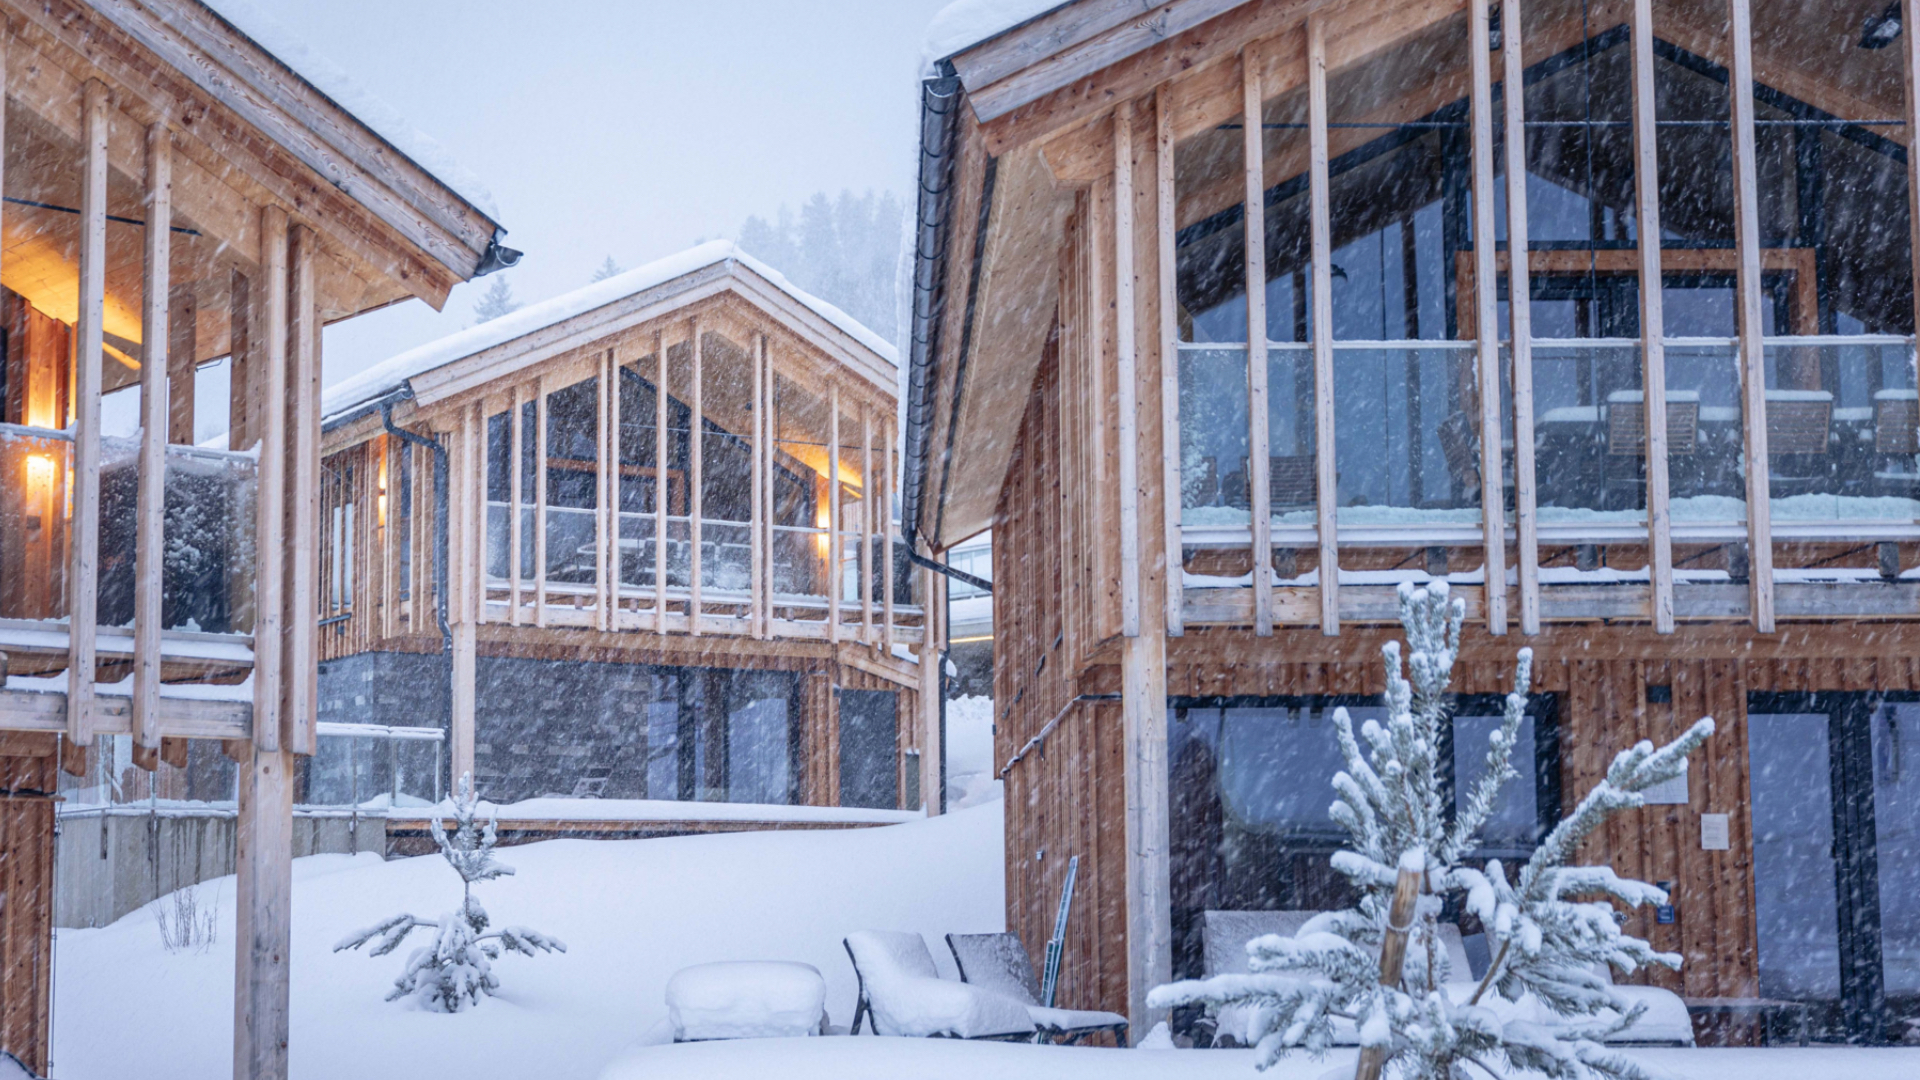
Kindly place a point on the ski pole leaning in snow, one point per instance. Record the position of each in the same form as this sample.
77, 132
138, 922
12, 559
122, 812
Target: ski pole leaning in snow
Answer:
1058, 943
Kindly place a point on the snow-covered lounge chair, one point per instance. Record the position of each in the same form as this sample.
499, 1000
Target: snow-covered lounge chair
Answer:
999, 962
902, 993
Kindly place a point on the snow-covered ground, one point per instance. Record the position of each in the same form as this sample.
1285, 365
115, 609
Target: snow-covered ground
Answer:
970, 765
944, 1059
632, 912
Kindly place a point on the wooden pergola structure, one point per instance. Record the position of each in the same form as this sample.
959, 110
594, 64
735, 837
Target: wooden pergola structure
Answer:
176, 195
1140, 359
589, 527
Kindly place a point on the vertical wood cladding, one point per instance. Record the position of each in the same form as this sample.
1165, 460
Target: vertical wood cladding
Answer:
26, 896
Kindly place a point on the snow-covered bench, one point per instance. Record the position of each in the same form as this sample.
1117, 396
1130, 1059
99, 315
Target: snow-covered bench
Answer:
999, 962
746, 1000
903, 994
1224, 937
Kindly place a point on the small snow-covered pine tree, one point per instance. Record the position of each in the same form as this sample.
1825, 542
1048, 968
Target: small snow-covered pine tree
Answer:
1542, 1004
454, 971
608, 269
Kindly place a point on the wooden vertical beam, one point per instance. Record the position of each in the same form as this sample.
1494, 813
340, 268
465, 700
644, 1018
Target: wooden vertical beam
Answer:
183, 351
1126, 362
1520, 314
695, 504
660, 502
757, 535
263, 894
1493, 513
516, 426
886, 549
603, 471
1166, 281
615, 560
155, 400
303, 492
1646, 180
83, 577
269, 627
1753, 349
466, 585
932, 659
389, 510
1910, 112
833, 511
1259, 461
1320, 212
540, 501
868, 490
242, 374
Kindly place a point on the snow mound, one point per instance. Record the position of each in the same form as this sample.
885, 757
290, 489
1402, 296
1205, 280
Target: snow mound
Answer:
971, 778
746, 999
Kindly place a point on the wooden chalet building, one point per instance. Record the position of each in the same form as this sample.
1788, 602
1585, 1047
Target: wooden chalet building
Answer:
179, 204
634, 610
1214, 328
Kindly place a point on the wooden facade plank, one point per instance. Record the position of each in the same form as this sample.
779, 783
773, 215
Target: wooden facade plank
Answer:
83, 575
516, 443
1753, 364
696, 452
1125, 364
301, 704
661, 504
542, 445
1493, 520
1259, 461
1646, 174
833, 588
1520, 322
1326, 483
149, 540
1165, 278
269, 626
762, 456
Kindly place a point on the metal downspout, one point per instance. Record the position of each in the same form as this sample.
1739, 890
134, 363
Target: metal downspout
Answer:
439, 536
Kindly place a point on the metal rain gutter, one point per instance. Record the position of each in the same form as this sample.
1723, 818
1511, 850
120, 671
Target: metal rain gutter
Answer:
939, 105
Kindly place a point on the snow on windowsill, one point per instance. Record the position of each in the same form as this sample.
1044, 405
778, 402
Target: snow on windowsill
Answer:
645, 810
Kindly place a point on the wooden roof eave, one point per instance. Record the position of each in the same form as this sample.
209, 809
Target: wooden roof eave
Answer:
253, 135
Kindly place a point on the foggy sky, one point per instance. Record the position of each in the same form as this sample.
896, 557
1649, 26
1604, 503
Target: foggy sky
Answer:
631, 129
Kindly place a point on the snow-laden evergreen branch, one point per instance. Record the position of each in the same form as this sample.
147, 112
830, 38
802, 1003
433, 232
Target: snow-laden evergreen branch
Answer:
1542, 1004
456, 970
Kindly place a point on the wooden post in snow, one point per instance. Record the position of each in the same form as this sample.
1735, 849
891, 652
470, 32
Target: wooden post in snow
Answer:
83, 577
149, 541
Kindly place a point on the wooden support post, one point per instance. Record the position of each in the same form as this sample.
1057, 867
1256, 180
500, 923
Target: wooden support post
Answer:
696, 507
263, 895
516, 455
302, 704
1393, 950
660, 501
183, 353
932, 658
149, 534
868, 491
1259, 461
1320, 212
1493, 513
604, 469
540, 501
1910, 112
616, 478
466, 586
1520, 309
269, 627
1646, 179
833, 511
83, 578
1166, 258
1753, 349
886, 548
757, 605
390, 451
243, 431
1126, 362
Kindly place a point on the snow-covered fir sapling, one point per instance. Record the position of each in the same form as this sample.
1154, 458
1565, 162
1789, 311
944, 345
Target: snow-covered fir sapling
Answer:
457, 968
1543, 1003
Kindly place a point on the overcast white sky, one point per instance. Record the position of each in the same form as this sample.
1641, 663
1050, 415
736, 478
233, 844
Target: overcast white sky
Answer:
630, 128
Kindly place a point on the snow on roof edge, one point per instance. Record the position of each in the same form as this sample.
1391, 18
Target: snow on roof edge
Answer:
390, 374
333, 83
964, 24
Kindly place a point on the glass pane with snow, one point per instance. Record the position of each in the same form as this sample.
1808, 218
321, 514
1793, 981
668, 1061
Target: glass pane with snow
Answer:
1793, 866
1841, 430
35, 514
799, 527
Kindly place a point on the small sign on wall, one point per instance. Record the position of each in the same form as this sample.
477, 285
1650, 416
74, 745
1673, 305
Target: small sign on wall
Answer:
1713, 832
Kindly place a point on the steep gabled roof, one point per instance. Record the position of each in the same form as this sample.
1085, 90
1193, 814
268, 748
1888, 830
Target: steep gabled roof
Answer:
594, 311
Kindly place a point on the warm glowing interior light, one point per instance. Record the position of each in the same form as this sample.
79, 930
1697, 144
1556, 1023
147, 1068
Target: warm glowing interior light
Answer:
822, 520
39, 473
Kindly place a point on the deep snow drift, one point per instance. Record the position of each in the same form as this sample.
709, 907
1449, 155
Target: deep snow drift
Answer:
632, 912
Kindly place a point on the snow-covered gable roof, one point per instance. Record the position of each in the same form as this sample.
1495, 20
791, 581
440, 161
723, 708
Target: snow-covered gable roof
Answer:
965, 23
337, 86
389, 375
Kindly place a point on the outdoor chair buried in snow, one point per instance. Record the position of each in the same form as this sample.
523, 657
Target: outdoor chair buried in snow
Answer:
999, 962
903, 994
746, 1000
